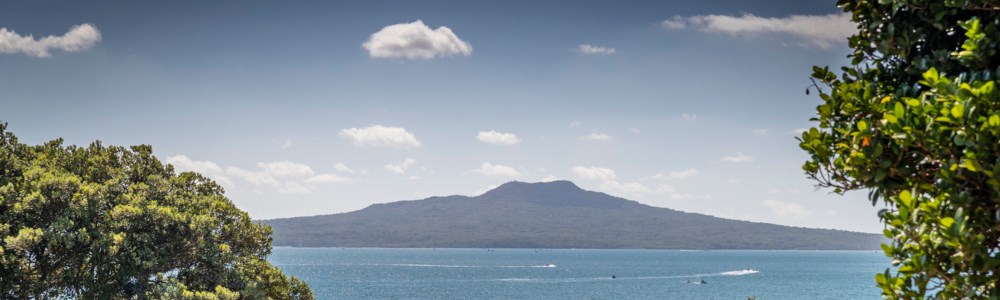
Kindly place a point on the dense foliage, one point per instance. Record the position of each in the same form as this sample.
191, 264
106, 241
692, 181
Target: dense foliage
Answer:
548, 215
113, 222
916, 122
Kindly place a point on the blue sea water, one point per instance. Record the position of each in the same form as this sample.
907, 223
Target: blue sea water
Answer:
377, 273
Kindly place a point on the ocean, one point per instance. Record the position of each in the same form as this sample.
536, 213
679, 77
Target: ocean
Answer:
379, 273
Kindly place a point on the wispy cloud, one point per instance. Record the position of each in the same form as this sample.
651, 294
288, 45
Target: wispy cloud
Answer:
329, 177
760, 132
381, 136
596, 137
739, 158
817, 30
415, 41
494, 137
673, 175
687, 116
401, 168
788, 209
341, 167
182, 163
677, 22
78, 38
550, 178
496, 170
595, 173
284, 176
595, 50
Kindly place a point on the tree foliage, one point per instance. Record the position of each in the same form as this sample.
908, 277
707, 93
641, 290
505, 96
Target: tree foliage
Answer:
916, 122
109, 222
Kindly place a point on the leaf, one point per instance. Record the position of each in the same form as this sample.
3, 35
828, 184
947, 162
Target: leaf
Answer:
972, 165
862, 125
899, 110
994, 121
906, 199
947, 221
931, 76
958, 110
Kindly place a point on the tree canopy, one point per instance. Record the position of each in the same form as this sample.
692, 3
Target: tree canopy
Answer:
110, 222
916, 122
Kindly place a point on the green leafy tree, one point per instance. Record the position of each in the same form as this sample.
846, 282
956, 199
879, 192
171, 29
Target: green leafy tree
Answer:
109, 222
916, 122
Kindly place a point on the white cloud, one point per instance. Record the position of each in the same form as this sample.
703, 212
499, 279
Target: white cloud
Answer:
78, 38
596, 137
256, 178
735, 181
285, 169
269, 178
381, 136
575, 124
774, 191
682, 174
761, 132
687, 116
550, 178
739, 158
341, 167
402, 167
493, 137
595, 173
788, 209
799, 131
816, 30
327, 178
634, 130
492, 170
182, 163
287, 144
595, 50
624, 188
677, 22
608, 182
415, 41
284, 176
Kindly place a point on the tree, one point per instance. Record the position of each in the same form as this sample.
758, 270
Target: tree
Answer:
109, 222
916, 122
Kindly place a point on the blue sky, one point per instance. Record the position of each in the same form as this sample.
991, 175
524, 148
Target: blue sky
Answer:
317, 107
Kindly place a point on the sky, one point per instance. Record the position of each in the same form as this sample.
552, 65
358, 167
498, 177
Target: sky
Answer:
319, 107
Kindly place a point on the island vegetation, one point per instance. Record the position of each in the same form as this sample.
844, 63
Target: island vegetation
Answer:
916, 122
110, 222
548, 215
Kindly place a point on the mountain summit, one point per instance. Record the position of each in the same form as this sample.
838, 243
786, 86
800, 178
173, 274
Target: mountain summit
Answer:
555, 214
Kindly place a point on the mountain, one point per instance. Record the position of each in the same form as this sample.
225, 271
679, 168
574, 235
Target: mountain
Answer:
548, 215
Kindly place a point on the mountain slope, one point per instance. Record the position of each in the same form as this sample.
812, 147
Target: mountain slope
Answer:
548, 215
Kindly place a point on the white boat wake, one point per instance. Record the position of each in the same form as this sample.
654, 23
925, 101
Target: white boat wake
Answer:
740, 272
462, 266
692, 276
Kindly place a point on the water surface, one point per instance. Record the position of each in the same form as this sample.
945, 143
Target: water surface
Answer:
362, 273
